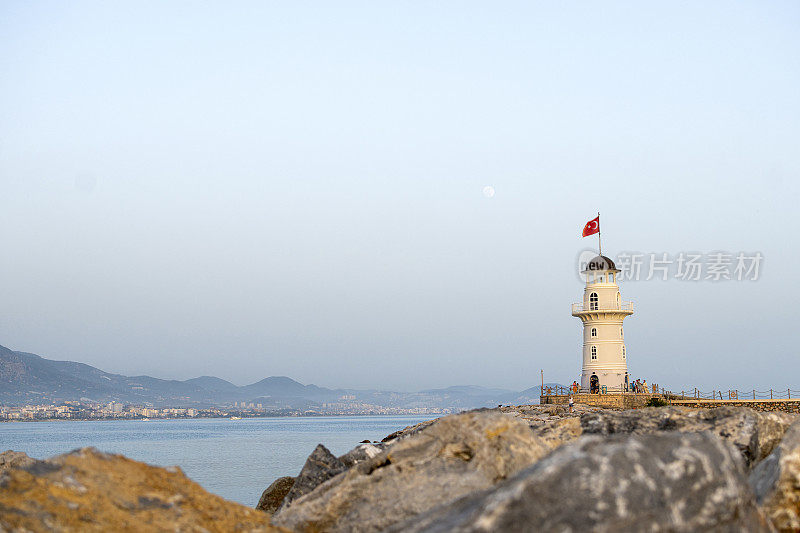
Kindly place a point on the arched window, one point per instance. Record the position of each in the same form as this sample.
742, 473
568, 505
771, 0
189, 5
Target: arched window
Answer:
611, 277
620, 333
593, 301
619, 301
594, 352
594, 332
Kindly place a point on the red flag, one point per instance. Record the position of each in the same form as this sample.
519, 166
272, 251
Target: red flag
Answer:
591, 227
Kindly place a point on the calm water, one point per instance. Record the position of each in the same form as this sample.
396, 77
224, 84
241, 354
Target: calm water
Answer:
236, 459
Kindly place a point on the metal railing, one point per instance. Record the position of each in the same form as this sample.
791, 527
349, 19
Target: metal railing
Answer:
562, 391
735, 394
688, 393
582, 307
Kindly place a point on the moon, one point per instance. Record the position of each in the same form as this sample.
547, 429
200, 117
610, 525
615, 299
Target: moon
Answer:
488, 191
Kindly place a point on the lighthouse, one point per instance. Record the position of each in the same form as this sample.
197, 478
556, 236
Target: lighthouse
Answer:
605, 362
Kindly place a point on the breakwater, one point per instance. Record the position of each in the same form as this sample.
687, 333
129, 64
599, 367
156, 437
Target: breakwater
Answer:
784, 405
628, 400
515, 468
621, 401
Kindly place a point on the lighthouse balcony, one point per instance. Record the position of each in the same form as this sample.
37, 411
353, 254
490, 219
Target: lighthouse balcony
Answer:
580, 308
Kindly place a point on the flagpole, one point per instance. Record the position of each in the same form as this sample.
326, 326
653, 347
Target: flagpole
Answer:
599, 242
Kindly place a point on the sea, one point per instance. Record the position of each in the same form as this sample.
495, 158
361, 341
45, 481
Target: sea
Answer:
236, 459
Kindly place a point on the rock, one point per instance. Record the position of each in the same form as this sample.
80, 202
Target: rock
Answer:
554, 433
320, 466
12, 459
87, 490
408, 431
776, 482
754, 433
273, 496
554, 424
450, 458
666, 482
361, 453
548, 411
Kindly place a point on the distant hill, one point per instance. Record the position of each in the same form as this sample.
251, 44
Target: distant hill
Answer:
212, 384
28, 378
281, 386
532, 395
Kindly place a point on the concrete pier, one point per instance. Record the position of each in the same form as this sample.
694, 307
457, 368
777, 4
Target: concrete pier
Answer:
631, 400
625, 400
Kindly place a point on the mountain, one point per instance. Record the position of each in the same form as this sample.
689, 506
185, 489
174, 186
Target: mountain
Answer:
470, 390
27, 378
283, 386
25, 374
466, 396
532, 395
213, 384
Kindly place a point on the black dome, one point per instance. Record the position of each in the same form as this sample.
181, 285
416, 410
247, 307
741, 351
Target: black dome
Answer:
600, 262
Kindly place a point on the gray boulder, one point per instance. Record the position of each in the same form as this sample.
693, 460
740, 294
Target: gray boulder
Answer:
554, 433
754, 433
666, 482
554, 424
548, 412
361, 453
407, 431
320, 466
776, 482
273, 496
454, 456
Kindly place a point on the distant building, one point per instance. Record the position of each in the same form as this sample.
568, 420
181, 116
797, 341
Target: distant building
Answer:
605, 362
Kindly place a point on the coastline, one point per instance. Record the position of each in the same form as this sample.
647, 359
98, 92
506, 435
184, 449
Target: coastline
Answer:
220, 417
493, 463
234, 459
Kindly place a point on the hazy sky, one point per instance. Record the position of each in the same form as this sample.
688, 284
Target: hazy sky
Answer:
295, 188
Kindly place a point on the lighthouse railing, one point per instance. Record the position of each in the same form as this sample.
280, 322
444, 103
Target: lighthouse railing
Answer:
582, 307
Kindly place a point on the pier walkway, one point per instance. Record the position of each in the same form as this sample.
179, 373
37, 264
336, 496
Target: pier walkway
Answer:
630, 400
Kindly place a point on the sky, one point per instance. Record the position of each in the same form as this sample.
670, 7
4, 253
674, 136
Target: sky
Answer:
297, 188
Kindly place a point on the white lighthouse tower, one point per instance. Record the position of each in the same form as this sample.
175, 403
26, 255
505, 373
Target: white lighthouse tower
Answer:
605, 363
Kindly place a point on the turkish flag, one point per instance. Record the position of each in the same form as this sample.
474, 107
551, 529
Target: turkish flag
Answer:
592, 227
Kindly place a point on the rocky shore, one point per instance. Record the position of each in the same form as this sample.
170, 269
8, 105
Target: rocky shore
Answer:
521, 468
